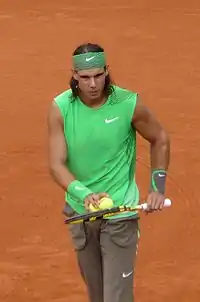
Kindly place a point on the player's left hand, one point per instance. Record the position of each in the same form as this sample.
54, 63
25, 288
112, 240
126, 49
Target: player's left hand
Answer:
155, 202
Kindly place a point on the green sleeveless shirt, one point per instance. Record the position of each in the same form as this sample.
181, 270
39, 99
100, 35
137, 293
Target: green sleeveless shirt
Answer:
102, 146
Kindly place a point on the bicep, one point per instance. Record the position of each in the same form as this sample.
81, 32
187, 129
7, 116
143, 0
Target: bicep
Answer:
146, 123
56, 140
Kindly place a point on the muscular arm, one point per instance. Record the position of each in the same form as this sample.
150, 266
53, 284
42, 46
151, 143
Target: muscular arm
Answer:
57, 148
58, 154
150, 129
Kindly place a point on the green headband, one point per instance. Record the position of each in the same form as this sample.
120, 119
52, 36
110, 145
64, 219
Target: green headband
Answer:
89, 60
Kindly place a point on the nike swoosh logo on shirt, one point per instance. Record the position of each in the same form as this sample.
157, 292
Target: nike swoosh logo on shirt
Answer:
108, 121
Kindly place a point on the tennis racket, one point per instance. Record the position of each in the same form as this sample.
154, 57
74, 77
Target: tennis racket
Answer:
89, 217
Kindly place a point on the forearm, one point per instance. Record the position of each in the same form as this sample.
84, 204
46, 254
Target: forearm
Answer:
160, 154
69, 183
160, 159
61, 175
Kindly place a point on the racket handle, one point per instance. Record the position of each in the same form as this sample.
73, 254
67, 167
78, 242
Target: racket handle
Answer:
167, 203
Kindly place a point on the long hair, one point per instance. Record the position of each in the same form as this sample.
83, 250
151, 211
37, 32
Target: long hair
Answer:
84, 48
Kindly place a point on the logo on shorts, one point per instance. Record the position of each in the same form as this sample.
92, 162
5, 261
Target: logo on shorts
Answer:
124, 275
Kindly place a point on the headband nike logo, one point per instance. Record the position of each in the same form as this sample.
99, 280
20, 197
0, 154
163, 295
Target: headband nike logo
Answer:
89, 59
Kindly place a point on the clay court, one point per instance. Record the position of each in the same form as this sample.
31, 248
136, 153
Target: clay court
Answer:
152, 47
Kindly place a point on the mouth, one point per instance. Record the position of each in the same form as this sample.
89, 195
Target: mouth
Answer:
93, 92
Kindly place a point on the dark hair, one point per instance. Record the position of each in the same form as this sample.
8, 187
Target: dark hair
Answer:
84, 48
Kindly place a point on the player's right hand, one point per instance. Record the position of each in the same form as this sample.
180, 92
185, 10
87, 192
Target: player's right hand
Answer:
94, 199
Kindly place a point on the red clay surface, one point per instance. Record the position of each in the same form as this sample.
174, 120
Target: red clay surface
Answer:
153, 47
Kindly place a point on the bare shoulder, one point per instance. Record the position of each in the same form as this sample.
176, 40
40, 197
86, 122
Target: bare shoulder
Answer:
146, 123
142, 112
56, 138
54, 116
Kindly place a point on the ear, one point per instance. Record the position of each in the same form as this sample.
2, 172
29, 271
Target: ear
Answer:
75, 75
107, 70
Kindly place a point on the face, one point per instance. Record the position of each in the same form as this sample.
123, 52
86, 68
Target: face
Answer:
91, 82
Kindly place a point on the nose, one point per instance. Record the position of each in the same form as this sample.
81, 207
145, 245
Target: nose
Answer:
92, 82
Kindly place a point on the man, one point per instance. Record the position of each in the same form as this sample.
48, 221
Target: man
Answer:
92, 151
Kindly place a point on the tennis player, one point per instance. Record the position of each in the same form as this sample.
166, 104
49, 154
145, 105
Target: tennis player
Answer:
92, 153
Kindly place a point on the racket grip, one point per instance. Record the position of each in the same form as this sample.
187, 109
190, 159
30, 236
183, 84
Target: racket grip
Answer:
167, 203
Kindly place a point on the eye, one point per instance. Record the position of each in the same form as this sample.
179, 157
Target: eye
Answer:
85, 77
99, 75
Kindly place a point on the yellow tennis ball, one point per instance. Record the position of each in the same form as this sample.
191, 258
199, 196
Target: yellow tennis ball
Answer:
105, 203
92, 208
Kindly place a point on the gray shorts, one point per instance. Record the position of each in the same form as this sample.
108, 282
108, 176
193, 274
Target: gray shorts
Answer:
106, 253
